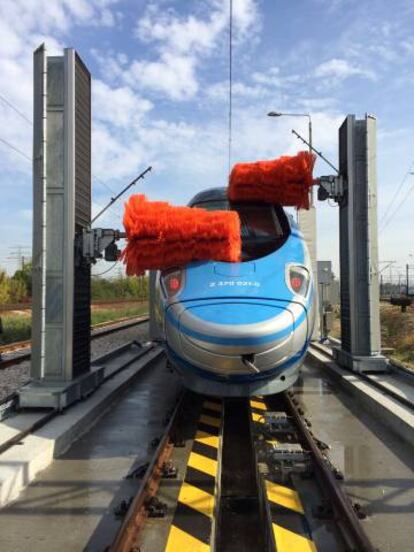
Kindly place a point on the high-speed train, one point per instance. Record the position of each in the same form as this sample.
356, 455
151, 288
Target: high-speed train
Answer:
239, 329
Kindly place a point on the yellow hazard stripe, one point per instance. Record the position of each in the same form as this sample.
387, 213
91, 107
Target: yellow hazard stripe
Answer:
179, 541
197, 499
186, 533
207, 439
279, 494
209, 420
288, 541
203, 464
217, 407
260, 405
258, 418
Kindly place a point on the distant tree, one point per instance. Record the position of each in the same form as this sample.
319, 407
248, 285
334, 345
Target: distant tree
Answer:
4, 287
122, 287
24, 276
18, 290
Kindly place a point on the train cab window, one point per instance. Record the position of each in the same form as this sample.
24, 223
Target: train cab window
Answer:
264, 228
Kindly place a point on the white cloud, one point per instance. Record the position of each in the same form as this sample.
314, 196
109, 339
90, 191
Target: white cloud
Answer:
182, 42
117, 106
191, 34
57, 16
341, 69
219, 91
24, 24
173, 75
273, 79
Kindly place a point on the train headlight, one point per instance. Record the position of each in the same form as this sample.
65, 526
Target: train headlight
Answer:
298, 279
172, 281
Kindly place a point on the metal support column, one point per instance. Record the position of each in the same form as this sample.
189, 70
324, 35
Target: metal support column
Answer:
60, 367
360, 323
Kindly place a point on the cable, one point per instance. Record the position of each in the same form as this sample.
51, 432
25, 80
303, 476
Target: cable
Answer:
391, 218
106, 271
15, 149
230, 79
407, 174
22, 115
114, 209
103, 184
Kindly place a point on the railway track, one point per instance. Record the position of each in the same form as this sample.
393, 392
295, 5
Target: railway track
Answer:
254, 479
20, 351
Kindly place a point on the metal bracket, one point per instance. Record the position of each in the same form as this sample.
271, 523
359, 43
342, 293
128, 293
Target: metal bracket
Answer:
278, 422
288, 458
96, 243
331, 187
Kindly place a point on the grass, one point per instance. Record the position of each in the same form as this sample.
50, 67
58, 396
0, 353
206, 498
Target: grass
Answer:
104, 315
397, 332
18, 326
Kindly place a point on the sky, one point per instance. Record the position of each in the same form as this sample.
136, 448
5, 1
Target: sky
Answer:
160, 97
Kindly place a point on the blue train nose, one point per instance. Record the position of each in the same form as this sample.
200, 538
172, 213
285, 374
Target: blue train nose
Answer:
216, 336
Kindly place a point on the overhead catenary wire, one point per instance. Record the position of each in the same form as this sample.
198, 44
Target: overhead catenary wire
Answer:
230, 122
384, 218
114, 209
23, 116
15, 109
392, 217
17, 150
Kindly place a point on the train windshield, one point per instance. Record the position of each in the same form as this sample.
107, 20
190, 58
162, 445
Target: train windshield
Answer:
264, 228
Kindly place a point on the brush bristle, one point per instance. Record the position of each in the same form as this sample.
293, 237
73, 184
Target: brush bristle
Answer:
160, 235
285, 180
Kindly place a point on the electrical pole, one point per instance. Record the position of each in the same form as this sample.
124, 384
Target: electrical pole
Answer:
19, 254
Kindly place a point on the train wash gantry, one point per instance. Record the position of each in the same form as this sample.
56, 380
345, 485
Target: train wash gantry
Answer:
354, 189
64, 244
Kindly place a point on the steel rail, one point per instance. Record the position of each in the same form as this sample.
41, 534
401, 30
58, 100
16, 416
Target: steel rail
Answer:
96, 332
137, 512
54, 412
347, 519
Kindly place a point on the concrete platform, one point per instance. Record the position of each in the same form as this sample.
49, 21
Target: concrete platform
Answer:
70, 506
385, 408
20, 464
377, 464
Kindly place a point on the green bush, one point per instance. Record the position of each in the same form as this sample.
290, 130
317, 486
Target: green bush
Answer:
15, 328
16, 288
122, 287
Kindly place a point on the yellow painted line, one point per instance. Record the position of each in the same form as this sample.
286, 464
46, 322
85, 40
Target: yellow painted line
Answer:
259, 405
207, 439
209, 420
258, 418
179, 540
197, 499
217, 407
288, 541
279, 494
202, 463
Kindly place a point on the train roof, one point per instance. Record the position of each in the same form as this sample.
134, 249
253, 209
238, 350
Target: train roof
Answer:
212, 194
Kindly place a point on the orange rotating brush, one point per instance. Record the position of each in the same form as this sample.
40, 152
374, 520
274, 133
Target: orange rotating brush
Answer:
285, 180
160, 236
